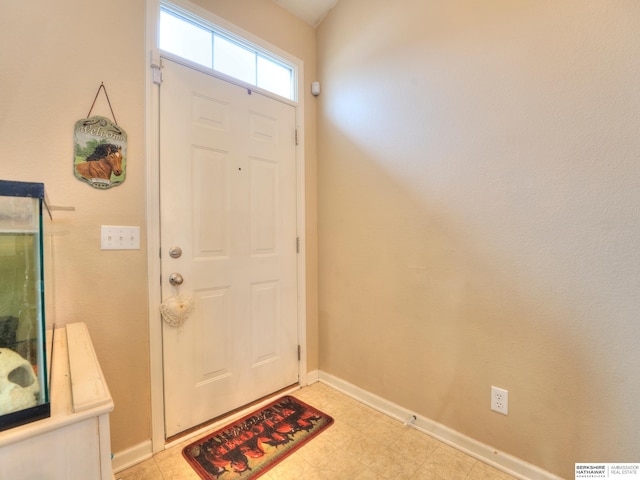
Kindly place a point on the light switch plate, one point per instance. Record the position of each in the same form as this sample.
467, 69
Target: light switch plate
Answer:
119, 238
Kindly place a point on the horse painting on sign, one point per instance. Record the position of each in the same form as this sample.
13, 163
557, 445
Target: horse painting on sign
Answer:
99, 152
105, 160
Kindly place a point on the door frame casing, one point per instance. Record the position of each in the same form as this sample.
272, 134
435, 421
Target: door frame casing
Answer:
152, 136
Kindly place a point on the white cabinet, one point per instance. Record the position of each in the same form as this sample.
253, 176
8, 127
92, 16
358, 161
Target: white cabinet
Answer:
74, 443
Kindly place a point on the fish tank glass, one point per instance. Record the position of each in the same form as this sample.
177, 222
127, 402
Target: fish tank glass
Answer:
24, 384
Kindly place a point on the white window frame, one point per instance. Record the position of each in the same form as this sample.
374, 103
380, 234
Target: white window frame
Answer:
206, 19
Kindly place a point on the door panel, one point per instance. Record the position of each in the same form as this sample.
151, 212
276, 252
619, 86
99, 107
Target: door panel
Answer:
210, 205
264, 204
228, 199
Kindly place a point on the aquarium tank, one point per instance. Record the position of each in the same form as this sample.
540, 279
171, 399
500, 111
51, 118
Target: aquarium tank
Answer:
24, 381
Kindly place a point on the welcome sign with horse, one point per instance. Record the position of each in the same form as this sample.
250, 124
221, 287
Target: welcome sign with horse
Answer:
100, 152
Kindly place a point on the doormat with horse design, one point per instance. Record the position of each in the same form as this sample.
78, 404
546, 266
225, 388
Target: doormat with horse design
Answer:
256, 443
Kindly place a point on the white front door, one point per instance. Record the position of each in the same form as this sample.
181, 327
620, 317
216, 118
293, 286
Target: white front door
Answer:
228, 201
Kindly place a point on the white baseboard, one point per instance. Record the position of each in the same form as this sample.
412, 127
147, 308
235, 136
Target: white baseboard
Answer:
132, 456
502, 461
507, 463
312, 377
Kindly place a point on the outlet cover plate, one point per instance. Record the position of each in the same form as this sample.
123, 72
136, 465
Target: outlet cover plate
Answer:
499, 400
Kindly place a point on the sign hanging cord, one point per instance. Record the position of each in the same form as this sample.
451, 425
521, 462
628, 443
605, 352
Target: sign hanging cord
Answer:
102, 87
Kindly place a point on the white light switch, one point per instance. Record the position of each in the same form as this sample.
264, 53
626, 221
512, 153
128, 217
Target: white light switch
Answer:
119, 238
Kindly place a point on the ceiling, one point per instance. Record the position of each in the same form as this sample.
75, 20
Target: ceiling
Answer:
311, 11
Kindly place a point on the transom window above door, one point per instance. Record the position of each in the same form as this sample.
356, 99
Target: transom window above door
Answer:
205, 45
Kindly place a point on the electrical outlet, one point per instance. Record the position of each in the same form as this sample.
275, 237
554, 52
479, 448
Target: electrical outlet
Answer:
499, 400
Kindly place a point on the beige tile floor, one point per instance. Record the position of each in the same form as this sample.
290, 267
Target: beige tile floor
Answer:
363, 444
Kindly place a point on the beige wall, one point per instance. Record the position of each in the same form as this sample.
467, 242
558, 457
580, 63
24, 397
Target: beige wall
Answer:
53, 57
479, 201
